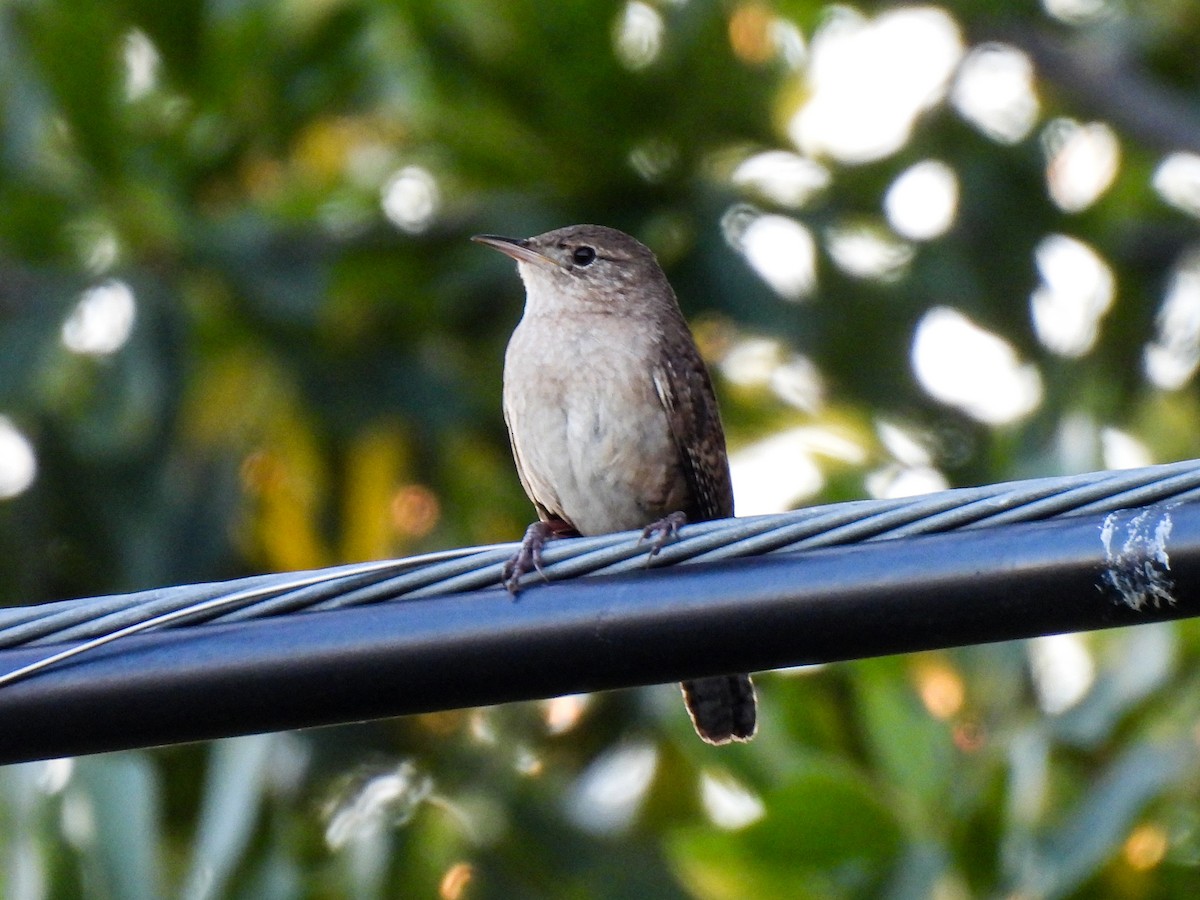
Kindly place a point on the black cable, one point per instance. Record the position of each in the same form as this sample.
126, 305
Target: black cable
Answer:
973, 585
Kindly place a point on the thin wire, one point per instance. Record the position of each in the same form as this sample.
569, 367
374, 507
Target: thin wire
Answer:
196, 610
168, 618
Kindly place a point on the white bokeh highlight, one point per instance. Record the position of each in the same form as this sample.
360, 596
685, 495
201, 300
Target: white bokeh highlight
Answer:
968, 367
142, 64
1121, 450
798, 382
892, 482
410, 199
751, 361
606, 797
868, 252
1076, 12
1077, 288
1172, 358
101, 321
386, 799
923, 200
638, 35
1082, 161
653, 159
757, 362
1063, 671
776, 473
789, 43
729, 804
782, 177
18, 462
783, 253
994, 91
1177, 180
911, 471
869, 80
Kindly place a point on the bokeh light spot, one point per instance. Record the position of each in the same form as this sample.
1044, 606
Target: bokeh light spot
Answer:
922, 202
1171, 359
994, 91
142, 63
774, 474
1063, 671
729, 803
751, 361
454, 882
374, 799
750, 33
55, 774
941, 688
894, 481
96, 244
789, 43
971, 368
1077, 289
783, 253
102, 320
759, 362
1177, 180
907, 446
868, 251
798, 381
561, 714
653, 159
18, 462
782, 177
1075, 12
638, 35
607, 796
870, 79
1121, 450
1146, 847
415, 510
1081, 162
411, 199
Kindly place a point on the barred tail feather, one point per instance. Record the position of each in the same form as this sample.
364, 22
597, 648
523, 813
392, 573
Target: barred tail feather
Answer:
722, 708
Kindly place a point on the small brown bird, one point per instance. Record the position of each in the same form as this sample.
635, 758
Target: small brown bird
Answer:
612, 416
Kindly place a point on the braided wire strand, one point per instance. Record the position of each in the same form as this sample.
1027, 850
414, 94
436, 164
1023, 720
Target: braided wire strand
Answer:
476, 568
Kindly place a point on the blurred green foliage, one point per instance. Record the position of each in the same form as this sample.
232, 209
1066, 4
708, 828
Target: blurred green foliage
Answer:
284, 189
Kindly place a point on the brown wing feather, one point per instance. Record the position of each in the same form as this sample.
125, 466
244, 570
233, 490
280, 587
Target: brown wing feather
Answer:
686, 391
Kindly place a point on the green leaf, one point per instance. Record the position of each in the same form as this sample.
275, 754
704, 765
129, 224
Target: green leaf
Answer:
826, 833
117, 809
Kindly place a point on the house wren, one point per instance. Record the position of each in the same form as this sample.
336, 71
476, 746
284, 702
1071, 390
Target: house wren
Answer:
612, 416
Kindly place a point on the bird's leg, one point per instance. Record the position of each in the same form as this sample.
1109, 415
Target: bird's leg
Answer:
529, 557
665, 529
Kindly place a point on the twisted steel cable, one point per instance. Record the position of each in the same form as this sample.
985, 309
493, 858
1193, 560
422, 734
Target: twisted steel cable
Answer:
99, 620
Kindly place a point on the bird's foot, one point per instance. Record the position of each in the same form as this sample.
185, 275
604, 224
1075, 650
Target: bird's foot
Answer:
665, 529
529, 557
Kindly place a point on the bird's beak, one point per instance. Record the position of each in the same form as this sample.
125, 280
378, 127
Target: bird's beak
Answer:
517, 248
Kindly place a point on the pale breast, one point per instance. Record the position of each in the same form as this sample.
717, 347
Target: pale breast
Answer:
589, 432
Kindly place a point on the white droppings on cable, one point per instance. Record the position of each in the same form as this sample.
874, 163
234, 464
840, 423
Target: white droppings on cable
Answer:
1139, 570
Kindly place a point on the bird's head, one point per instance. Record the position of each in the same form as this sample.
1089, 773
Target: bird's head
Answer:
588, 267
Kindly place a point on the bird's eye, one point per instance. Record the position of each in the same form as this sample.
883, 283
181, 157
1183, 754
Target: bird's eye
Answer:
583, 256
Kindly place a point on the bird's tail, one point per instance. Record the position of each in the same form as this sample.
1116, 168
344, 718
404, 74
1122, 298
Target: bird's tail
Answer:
722, 708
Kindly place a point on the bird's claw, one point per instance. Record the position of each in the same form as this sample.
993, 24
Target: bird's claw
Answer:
665, 529
528, 558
